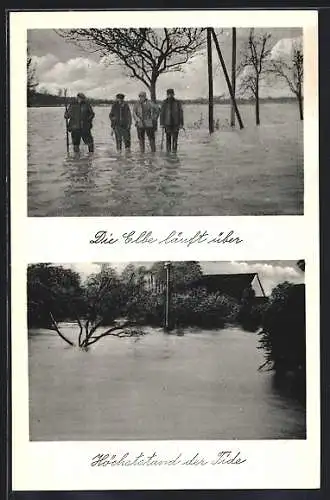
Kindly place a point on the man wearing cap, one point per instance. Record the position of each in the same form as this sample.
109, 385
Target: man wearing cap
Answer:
145, 114
121, 121
171, 119
80, 115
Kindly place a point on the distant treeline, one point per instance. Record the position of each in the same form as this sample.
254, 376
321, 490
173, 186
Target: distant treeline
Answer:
40, 99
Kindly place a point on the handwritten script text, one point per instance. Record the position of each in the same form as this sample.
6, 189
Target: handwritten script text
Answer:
126, 459
172, 238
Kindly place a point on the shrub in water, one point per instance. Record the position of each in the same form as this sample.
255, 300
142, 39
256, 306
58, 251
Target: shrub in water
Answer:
283, 335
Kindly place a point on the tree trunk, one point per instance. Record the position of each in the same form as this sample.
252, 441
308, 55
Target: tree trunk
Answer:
153, 97
300, 104
257, 108
153, 89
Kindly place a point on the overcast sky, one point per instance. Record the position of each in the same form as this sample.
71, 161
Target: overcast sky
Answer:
60, 64
270, 272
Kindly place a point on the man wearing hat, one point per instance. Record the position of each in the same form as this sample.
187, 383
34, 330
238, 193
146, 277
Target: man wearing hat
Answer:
121, 121
80, 115
171, 119
145, 114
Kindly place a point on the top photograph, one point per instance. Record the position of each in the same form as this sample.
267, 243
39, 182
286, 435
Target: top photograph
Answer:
165, 121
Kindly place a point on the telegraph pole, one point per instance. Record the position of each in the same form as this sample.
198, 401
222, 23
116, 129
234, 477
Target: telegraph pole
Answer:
167, 266
210, 76
232, 96
233, 76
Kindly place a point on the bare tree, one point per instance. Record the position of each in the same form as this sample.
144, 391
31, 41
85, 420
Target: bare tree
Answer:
31, 78
97, 303
292, 72
145, 53
253, 67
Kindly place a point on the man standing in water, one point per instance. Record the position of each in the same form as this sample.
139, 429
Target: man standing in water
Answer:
80, 115
121, 121
145, 114
171, 118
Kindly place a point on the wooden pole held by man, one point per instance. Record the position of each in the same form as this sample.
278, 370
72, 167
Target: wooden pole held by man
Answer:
66, 121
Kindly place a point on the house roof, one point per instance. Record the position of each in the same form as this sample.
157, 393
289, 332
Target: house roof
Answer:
229, 284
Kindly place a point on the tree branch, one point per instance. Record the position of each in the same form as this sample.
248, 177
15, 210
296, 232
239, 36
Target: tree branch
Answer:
119, 329
58, 330
144, 52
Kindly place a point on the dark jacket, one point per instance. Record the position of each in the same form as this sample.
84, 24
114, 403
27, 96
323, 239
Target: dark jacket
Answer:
120, 115
80, 116
171, 114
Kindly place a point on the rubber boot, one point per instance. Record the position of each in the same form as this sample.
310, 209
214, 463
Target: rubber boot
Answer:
91, 147
175, 144
153, 145
168, 143
76, 148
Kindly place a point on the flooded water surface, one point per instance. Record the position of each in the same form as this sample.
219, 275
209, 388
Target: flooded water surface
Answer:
202, 385
254, 171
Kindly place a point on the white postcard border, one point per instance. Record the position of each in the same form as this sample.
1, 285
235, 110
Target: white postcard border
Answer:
66, 465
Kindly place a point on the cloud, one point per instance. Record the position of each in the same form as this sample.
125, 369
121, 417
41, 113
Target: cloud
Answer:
72, 70
268, 270
44, 63
284, 48
64, 65
85, 269
103, 78
271, 86
75, 74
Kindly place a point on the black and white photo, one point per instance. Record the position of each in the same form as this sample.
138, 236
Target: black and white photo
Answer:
164, 249
166, 121
167, 350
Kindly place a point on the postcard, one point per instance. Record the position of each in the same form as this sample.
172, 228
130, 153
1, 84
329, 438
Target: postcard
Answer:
164, 250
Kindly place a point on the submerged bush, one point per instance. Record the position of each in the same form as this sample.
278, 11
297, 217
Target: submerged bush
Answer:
196, 307
283, 335
250, 315
146, 307
203, 309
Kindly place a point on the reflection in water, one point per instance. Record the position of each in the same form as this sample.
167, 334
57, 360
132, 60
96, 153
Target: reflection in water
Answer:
231, 173
290, 386
79, 168
142, 181
81, 180
196, 385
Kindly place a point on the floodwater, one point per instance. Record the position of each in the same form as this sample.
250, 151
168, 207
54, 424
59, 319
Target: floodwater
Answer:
200, 385
254, 171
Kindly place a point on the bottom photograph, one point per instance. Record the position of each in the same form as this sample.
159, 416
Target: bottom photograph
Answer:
166, 350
